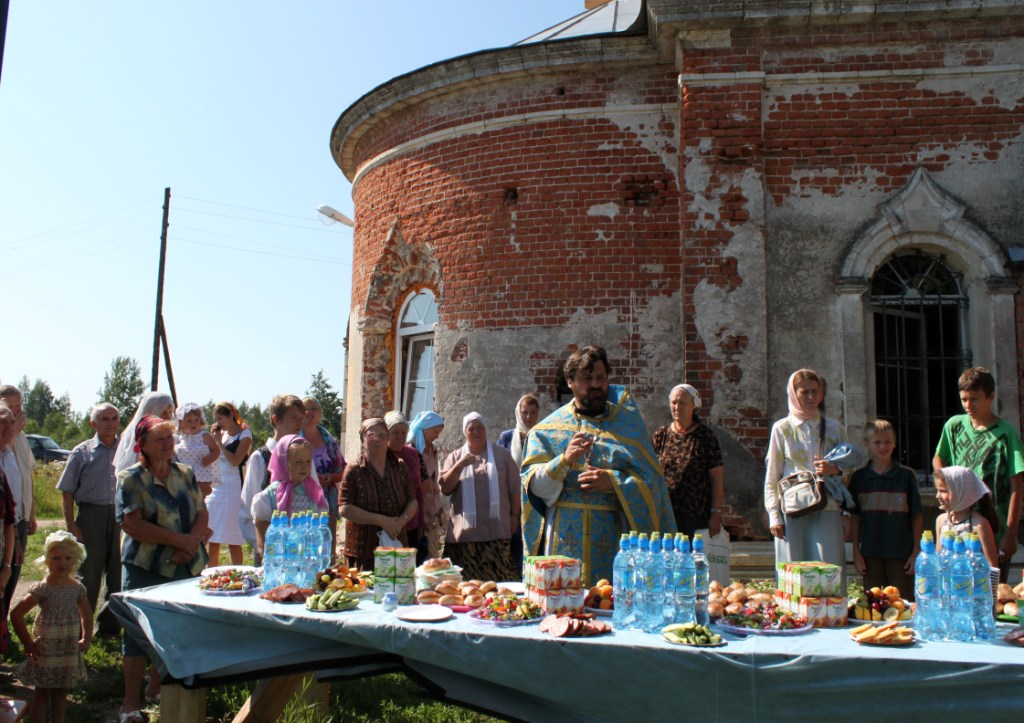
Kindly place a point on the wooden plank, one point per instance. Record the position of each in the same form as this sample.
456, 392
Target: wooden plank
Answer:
181, 705
268, 700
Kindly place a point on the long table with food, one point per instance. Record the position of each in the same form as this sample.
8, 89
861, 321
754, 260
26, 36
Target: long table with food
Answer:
540, 671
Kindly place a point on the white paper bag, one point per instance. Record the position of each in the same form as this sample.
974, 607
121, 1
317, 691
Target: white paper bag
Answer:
387, 540
718, 551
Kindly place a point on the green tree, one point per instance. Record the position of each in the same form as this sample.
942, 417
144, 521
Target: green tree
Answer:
123, 387
38, 403
330, 402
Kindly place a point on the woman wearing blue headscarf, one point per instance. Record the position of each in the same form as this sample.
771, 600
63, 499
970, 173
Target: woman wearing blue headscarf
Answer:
424, 430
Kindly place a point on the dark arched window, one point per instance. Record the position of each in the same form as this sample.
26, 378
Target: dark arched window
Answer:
920, 349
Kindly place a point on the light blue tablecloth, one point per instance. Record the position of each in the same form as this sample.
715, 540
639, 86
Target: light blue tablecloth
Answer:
627, 675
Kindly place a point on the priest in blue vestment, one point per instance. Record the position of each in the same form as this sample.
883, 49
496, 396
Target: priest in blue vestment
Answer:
590, 472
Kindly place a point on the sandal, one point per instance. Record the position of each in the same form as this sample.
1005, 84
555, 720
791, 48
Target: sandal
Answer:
132, 716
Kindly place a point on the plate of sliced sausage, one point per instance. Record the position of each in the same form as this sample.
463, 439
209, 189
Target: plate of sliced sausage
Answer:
574, 626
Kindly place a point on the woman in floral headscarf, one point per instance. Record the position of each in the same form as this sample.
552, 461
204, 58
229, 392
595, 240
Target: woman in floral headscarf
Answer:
292, 487
161, 510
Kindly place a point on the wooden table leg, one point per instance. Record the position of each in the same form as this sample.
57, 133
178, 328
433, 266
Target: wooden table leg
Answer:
268, 700
181, 705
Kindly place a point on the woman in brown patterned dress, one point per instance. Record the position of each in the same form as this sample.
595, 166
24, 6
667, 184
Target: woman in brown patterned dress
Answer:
376, 494
688, 451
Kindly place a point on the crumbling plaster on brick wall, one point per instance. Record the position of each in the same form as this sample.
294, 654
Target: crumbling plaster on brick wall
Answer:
729, 312
494, 370
653, 131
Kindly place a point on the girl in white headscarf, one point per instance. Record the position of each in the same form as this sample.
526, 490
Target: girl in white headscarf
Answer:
159, 404
968, 508
483, 482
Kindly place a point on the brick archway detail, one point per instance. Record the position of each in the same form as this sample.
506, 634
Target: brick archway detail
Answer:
402, 268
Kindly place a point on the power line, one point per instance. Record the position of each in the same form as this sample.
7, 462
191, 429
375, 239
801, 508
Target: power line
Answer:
246, 208
224, 235
336, 262
178, 209
9, 244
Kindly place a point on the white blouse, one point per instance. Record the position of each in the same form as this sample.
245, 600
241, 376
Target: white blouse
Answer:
792, 447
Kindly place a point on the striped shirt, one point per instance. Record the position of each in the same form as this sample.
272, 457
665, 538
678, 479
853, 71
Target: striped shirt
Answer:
89, 473
886, 504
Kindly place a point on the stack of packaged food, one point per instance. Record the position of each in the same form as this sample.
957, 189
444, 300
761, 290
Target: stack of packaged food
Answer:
393, 571
812, 589
554, 582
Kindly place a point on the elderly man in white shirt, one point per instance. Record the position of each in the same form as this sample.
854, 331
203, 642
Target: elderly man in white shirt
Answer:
18, 464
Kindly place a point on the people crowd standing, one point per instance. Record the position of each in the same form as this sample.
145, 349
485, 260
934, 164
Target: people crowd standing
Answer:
566, 483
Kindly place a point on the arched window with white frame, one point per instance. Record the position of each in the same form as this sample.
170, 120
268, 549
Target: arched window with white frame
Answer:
414, 365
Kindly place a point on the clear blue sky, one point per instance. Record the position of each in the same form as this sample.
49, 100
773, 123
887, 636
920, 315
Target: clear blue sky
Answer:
231, 104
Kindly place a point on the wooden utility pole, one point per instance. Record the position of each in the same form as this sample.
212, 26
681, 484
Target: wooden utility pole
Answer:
158, 324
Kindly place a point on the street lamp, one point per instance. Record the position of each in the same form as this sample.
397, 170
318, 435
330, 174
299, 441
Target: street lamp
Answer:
336, 216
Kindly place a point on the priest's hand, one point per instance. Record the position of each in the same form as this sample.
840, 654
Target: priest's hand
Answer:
579, 447
594, 479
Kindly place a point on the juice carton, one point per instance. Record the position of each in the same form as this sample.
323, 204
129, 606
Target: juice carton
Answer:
830, 580
405, 588
570, 573
405, 562
383, 562
804, 579
383, 585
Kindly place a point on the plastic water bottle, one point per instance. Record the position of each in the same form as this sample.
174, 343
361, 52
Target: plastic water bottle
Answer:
631, 557
961, 595
984, 622
294, 543
273, 553
654, 576
700, 564
948, 541
930, 618
668, 581
640, 581
686, 580
311, 553
326, 542
623, 609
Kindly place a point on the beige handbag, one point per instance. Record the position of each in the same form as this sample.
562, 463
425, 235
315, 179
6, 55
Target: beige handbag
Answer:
803, 492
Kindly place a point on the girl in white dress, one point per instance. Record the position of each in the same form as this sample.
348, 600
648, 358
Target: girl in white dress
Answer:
234, 441
195, 446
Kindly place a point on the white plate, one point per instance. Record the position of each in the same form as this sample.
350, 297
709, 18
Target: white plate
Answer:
475, 617
599, 612
250, 591
740, 630
424, 613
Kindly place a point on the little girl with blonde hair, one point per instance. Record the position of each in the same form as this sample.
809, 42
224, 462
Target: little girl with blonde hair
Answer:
62, 631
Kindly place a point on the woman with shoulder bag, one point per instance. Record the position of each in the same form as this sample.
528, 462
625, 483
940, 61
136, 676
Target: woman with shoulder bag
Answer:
805, 510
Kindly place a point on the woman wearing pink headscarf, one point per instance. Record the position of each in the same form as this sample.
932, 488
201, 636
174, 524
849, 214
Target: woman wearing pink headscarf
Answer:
799, 443
292, 488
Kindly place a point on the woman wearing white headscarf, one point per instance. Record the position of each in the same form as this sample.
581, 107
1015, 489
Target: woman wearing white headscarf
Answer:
689, 453
483, 482
158, 404
799, 443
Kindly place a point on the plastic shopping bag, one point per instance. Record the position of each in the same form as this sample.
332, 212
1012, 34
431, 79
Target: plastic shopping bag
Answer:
718, 551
